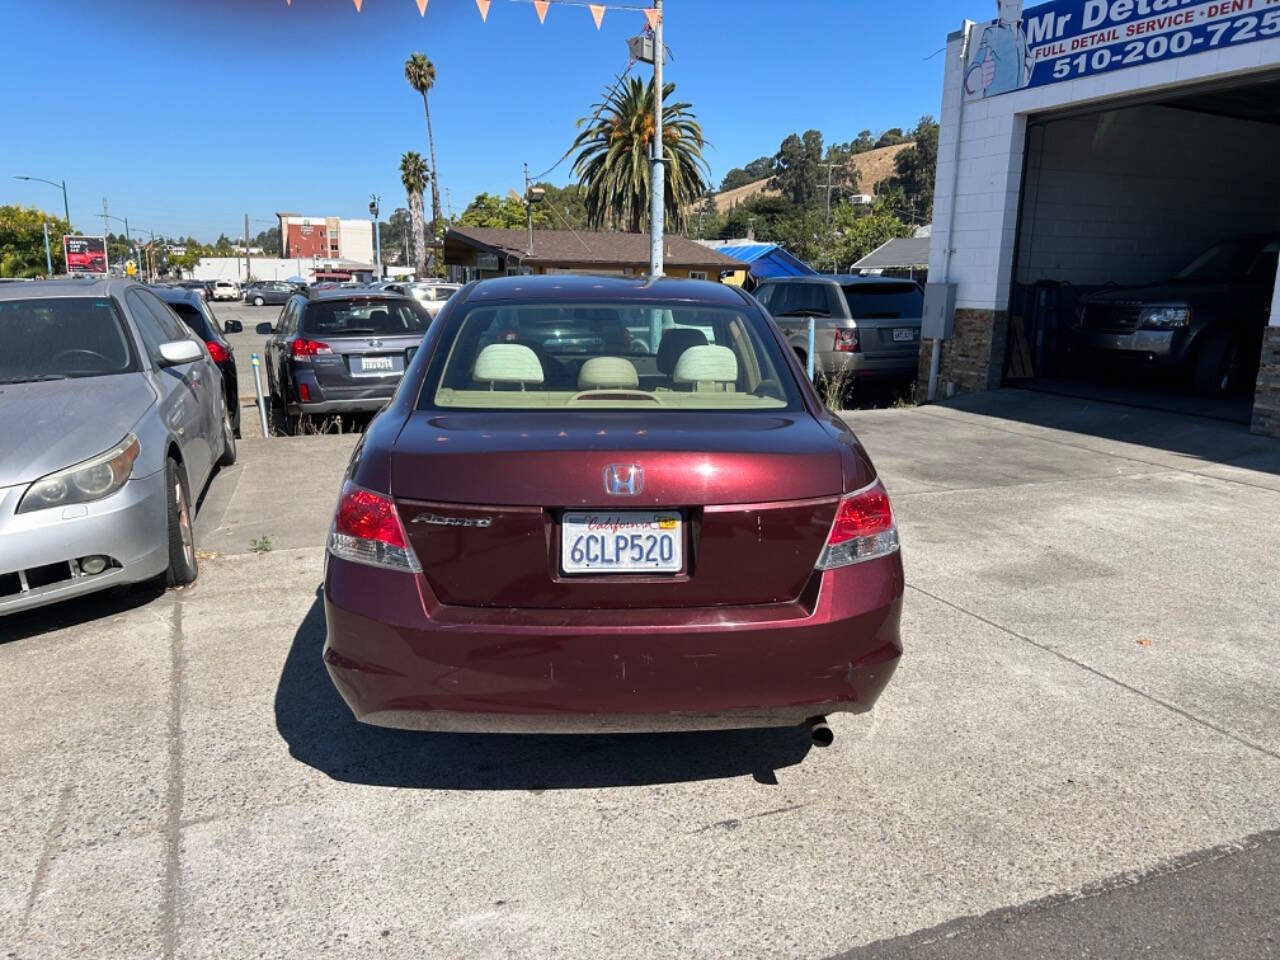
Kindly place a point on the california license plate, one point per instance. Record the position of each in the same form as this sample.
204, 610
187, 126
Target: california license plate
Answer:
632, 541
378, 365
904, 333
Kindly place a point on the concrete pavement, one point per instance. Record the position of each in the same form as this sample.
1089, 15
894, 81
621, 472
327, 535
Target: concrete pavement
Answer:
1088, 703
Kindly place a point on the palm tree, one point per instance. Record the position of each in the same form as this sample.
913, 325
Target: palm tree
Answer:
414, 176
613, 165
421, 74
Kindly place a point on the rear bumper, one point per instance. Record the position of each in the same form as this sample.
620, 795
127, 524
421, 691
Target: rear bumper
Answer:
129, 526
870, 366
400, 659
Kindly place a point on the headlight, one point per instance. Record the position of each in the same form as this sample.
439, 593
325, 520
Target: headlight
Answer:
1164, 318
91, 480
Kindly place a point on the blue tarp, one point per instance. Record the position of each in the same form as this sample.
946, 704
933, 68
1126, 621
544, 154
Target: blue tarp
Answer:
767, 260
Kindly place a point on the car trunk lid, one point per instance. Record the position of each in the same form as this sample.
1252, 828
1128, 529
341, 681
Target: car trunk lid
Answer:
483, 496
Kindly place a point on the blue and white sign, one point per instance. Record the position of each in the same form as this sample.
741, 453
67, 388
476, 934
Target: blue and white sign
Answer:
1068, 39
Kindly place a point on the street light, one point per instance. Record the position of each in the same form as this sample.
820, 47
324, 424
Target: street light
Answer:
125, 220
374, 201
66, 210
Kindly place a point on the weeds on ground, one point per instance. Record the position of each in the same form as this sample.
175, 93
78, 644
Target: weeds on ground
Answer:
260, 545
837, 391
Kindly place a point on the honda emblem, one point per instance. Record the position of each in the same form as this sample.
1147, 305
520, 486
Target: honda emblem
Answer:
623, 479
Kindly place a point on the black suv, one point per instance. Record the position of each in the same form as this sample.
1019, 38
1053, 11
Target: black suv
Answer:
341, 351
191, 308
1205, 324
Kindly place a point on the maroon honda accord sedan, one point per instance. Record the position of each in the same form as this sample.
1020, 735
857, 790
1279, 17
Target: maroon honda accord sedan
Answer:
609, 504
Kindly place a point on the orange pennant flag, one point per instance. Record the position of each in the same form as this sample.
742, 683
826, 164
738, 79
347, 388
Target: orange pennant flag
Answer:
597, 12
651, 14
484, 9
541, 7
357, 3
422, 8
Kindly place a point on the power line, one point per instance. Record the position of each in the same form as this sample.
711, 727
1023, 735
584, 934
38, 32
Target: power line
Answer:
604, 102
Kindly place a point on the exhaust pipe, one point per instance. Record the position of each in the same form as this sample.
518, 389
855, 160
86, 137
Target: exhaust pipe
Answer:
821, 734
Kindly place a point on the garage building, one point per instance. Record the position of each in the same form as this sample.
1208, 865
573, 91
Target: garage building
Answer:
1107, 214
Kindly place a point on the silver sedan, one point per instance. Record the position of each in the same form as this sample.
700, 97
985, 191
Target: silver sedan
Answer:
112, 420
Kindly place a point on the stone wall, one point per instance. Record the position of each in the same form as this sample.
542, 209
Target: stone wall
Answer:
973, 359
1266, 399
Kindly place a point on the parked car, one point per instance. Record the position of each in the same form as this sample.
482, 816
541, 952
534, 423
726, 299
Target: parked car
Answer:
341, 351
268, 292
1205, 325
195, 313
226, 290
430, 294
197, 285
867, 327
114, 420
674, 540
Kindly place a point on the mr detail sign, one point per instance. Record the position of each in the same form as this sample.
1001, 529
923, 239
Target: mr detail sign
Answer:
1068, 39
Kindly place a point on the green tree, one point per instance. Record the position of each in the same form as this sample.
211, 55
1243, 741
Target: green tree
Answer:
397, 234
269, 241
796, 168
857, 232
566, 207
891, 137
22, 241
613, 160
916, 168
490, 210
757, 169
421, 74
413, 174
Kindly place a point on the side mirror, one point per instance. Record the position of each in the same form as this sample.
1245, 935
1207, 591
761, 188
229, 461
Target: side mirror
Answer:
180, 351
265, 328
233, 326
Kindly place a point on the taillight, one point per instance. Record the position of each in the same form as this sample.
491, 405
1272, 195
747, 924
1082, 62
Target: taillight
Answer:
217, 351
846, 341
308, 348
304, 393
366, 529
862, 530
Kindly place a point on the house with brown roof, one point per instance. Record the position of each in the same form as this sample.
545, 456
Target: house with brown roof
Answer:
473, 253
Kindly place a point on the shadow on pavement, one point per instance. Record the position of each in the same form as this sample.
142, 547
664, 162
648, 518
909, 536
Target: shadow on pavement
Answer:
320, 731
1197, 436
79, 610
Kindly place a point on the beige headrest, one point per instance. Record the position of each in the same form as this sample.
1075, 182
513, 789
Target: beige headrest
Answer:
605, 372
706, 365
508, 363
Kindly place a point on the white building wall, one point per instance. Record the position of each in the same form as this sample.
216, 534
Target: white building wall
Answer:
355, 240
264, 268
991, 139
1132, 195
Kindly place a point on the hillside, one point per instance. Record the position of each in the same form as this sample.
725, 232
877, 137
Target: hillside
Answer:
874, 167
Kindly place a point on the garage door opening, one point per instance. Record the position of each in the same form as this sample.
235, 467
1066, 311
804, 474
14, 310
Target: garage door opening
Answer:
1147, 250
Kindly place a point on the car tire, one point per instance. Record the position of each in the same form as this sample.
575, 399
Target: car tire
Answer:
259, 302
1219, 365
235, 423
228, 442
183, 566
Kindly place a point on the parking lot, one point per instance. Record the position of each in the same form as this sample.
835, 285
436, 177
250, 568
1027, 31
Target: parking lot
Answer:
1085, 726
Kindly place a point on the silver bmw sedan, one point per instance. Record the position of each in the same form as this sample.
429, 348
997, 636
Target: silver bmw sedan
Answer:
112, 420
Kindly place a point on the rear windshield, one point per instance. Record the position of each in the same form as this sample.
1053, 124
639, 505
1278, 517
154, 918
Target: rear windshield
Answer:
193, 318
608, 355
57, 338
887, 301
365, 317
796, 299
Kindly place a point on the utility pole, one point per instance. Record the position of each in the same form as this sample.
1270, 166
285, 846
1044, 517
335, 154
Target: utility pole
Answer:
248, 272
374, 211
528, 208
48, 254
830, 167
106, 227
658, 176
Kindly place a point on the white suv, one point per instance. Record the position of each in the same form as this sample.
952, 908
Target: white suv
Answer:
226, 290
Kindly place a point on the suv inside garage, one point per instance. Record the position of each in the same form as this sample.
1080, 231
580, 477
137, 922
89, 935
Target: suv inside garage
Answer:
1146, 251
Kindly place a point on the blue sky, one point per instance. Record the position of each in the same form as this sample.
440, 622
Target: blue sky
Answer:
187, 114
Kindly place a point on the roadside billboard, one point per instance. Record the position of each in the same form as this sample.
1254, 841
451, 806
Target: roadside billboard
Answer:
85, 254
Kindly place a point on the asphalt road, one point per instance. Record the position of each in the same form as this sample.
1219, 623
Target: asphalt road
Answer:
1080, 755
